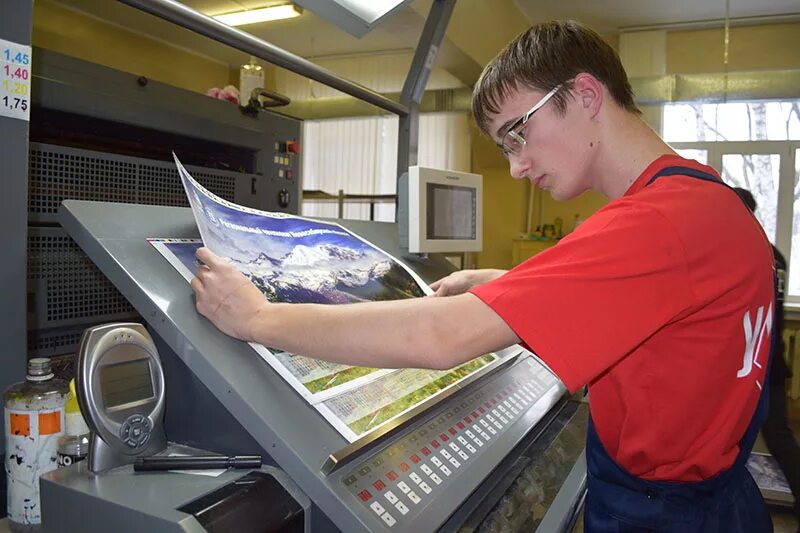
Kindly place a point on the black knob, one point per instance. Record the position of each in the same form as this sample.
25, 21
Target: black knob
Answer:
283, 198
142, 81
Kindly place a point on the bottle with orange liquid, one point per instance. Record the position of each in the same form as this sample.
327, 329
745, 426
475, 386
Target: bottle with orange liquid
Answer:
34, 421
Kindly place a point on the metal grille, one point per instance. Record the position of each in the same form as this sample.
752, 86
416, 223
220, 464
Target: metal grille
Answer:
159, 184
67, 287
43, 343
58, 173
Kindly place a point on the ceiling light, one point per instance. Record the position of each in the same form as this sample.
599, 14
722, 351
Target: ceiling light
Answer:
264, 14
369, 10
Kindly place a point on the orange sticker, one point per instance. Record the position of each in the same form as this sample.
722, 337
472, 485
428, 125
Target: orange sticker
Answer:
20, 425
49, 423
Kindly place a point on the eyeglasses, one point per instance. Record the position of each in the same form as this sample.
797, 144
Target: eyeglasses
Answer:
514, 138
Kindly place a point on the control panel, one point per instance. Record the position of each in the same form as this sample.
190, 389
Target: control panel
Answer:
135, 431
398, 482
279, 165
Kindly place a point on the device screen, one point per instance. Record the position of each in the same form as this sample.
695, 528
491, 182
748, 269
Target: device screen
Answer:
126, 383
451, 212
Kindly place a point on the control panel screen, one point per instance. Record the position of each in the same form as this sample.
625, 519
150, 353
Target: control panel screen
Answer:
451, 212
126, 383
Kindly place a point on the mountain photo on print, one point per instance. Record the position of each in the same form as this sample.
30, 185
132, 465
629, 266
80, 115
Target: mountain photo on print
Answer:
297, 260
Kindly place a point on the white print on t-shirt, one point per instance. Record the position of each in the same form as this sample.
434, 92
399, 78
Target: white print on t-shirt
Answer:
753, 337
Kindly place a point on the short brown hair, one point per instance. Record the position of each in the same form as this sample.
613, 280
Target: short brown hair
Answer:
544, 56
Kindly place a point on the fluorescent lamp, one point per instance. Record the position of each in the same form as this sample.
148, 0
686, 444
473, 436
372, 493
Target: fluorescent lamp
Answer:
369, 10
264, 14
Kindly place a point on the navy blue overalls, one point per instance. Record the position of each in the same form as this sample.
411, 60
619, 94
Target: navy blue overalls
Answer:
730, 502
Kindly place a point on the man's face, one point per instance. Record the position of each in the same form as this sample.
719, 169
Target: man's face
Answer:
549, 153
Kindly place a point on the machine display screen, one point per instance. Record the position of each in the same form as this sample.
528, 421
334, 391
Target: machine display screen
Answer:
451, 212
125, 383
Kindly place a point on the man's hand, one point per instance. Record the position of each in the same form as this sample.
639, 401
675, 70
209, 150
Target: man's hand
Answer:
226, 297
463, 280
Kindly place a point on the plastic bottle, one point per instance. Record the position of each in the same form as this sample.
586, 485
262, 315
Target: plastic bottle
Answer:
577, 222
34, 420
251, 76
559, 225
74, 445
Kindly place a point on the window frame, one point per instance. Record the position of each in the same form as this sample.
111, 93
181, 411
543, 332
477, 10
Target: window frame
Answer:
787, 150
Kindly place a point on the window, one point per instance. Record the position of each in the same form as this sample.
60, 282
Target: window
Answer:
753, 145
359, 156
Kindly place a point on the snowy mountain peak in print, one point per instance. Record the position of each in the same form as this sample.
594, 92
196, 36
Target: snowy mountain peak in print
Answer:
264, 259
329, 274
309, 256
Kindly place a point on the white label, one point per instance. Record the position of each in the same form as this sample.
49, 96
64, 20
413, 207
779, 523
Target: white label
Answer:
248, 81
15, 80
31, 441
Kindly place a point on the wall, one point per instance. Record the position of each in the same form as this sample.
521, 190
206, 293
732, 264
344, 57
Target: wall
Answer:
505, 203
765, 47
63, 30
584, 205
384, 73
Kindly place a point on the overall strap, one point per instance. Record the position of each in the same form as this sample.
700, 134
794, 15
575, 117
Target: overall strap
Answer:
749, 437
686, 171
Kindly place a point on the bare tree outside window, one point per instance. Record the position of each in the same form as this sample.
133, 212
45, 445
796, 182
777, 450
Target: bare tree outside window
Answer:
719, 135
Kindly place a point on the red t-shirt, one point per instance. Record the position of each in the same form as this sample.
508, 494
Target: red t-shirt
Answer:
658, 302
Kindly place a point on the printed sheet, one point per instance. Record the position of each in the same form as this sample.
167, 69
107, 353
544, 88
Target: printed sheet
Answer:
299, 260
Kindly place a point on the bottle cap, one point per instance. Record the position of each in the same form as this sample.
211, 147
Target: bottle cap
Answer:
39, 369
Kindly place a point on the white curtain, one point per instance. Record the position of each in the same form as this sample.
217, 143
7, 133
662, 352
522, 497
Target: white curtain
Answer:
359, 156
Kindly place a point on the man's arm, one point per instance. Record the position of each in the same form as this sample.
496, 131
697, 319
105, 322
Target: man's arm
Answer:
421, 332
463, 280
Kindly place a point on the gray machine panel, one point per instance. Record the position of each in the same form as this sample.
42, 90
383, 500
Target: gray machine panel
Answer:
294, 436
126, 502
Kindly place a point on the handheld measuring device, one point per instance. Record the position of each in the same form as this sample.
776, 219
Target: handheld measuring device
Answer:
120, 388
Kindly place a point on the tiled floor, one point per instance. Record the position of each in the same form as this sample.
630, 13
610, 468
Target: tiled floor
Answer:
785, 522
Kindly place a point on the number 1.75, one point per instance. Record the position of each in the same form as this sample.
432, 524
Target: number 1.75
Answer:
15, 103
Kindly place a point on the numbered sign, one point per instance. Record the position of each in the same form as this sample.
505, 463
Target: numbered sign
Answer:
15, 80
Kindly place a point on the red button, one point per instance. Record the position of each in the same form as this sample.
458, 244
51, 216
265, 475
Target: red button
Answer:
364, 495
461, 424
494, 401
403, 467
444, 437
293, 147
289, 175
426, 451
391, 475
452, 431
487, 405
468, 420
435, 443
474, 414
415, 459
379, 485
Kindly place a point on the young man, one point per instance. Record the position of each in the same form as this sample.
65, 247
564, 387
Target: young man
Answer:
661, 301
